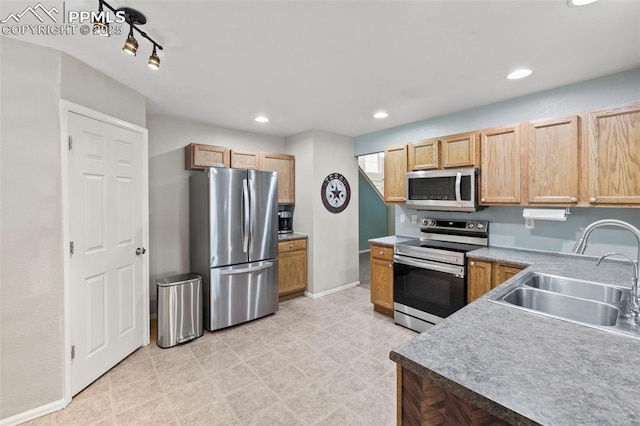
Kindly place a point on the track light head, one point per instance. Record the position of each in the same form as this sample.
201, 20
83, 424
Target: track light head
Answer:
154, 59
131, 45
100, 23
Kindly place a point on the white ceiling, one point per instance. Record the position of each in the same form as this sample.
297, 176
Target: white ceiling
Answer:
330, 65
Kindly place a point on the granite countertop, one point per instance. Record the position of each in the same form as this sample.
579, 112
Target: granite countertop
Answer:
391, 240
292, 236
531, 369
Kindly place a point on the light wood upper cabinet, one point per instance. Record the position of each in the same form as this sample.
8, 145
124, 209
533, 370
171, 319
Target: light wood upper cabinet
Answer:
614, 156
480, 278
395, 169
550, 161
500, 165
460, 150
285, 166
245, 160
199, 156
423, 155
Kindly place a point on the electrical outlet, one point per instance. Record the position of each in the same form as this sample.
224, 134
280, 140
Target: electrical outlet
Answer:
403, 217
528, 223
414, 218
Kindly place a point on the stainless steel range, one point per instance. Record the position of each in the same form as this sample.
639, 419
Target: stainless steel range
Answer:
429, 274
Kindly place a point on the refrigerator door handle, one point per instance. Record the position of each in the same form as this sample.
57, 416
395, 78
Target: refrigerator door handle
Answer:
267, 265
245, 214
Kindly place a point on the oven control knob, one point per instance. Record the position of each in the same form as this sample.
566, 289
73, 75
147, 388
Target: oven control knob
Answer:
431, 222
480, 226
470, 226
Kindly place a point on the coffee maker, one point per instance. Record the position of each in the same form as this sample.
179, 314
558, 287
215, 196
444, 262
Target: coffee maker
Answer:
285, 221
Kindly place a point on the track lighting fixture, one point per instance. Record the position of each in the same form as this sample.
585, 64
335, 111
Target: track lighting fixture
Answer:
133, 18
131, 45
100, 23
154, 60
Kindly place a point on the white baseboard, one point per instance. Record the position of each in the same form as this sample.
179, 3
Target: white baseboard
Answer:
333, 290
364, 251
26, 416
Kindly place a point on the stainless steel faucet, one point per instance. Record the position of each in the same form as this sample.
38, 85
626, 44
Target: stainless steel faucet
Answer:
633, 307
633, 304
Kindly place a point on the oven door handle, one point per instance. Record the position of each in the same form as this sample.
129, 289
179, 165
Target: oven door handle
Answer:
425, 264
458, 181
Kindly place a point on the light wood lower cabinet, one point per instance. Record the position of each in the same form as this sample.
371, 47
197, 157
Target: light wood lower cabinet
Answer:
292, 267
381, 258
482, 276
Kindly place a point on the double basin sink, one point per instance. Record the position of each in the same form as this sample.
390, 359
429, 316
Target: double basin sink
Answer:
592, 304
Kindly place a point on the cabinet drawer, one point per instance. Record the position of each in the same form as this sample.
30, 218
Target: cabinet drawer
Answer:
382, 252
292, 245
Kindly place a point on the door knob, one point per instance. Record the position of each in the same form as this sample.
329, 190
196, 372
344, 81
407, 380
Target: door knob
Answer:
140, 251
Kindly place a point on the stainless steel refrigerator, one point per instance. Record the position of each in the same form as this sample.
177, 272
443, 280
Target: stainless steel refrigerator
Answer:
233, 217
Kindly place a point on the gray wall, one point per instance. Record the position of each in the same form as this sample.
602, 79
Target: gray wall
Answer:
333, 241
33, 81
616, 89
372, 213
31, 334
169, 187
507, 225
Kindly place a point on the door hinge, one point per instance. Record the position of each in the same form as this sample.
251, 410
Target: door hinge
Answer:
73, 351
70, 143
71, 248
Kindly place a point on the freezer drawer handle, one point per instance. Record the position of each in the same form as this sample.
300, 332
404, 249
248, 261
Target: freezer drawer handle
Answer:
247, 270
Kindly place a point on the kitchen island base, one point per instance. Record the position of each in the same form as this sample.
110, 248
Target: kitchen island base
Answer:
422, 402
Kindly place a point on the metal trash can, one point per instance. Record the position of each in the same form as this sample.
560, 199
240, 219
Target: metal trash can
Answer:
179, 309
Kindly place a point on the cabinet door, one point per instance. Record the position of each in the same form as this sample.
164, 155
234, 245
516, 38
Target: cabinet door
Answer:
245, 160
395, 170
614, 156
292, 272
500, 165
423, 155
550, 161
284, 165
504, 272
459, 150
382, 283
479, 279
198, 156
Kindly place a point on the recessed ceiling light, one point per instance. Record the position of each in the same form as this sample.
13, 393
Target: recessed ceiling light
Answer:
380, 114
522, 73
580, 2
262, 119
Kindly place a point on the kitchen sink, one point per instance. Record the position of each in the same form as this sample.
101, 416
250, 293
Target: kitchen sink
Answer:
566, 307
577, 288
588, 303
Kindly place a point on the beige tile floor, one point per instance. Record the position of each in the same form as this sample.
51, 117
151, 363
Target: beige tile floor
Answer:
314, 362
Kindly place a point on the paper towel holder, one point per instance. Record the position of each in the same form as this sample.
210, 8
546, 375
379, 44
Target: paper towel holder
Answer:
531, 214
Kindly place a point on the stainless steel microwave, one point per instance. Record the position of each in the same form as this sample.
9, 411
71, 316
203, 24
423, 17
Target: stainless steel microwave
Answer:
448, 190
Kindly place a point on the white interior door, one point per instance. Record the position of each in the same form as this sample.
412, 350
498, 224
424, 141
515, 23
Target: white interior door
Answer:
105, 228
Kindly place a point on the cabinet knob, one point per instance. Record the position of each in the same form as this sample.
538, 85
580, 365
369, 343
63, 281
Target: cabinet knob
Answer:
290, 246
381, 252
592, 200
391, 265
482, 199
472, 263
574, 200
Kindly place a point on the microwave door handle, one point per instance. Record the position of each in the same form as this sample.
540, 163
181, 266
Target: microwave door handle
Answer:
429, 265
458, 181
